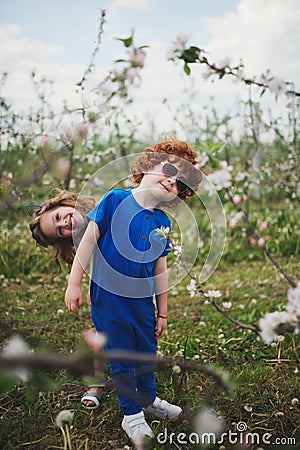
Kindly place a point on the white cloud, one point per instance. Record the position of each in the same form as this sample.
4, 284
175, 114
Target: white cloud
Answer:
20, 56
263, 34
16, 48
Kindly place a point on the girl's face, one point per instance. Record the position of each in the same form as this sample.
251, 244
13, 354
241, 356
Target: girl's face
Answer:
62, 222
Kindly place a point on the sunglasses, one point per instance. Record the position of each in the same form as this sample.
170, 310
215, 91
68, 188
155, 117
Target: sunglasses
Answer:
169, 170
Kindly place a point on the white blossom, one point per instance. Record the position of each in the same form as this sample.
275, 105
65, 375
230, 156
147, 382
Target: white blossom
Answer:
211, 293
192, 287
276, 85
269, 324
17, 347
219, 179
235, 219
225, 62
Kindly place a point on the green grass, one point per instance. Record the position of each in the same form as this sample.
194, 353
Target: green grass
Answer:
264, 379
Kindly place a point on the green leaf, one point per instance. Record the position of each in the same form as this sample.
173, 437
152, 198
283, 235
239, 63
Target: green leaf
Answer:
127, 41
186, 69
191, 55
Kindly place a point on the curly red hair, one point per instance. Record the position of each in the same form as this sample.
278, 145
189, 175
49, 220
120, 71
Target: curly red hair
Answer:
175, 152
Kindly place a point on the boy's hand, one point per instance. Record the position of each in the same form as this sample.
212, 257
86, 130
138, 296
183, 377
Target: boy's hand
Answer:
73, 297
161, 326
88, 298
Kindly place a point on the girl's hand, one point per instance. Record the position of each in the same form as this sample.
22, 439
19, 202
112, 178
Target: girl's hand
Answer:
73, 297
161, 326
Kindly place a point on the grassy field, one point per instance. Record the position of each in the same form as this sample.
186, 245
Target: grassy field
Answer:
264, 379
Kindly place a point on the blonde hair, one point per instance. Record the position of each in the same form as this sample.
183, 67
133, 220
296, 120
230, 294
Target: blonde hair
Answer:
64, 248
174, 151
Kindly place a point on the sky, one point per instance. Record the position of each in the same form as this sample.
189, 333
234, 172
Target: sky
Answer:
57, 38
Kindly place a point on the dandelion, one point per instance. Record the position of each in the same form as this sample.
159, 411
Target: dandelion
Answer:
176, 369
64, 417
64, 420
207, 423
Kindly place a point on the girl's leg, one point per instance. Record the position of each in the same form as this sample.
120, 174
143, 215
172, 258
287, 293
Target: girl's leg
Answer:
98, 386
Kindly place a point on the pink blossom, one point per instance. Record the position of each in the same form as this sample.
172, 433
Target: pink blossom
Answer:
94, 339
82, 130
245, 198
177, 248
261, 242
227, 305
137, 58
236, 199
262, 224
46, 141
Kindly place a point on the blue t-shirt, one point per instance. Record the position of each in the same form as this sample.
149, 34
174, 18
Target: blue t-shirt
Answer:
128, 247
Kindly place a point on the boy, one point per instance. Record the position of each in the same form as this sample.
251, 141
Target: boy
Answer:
129, 268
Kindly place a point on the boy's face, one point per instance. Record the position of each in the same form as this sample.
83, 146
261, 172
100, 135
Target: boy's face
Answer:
165, 180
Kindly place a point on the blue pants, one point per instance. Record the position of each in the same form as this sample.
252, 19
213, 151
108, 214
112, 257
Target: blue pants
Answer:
129, 324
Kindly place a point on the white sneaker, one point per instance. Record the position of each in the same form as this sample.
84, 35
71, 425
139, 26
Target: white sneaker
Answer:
136, 428
163, 410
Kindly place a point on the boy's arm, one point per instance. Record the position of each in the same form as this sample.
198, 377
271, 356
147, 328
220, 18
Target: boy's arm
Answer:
161, 287
73, 296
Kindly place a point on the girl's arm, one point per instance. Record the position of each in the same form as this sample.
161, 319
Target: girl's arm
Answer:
73, 296
161, 288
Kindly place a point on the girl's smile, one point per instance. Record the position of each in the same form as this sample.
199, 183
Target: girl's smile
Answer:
62, 222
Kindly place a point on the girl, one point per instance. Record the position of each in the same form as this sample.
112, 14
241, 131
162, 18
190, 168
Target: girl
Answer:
57, 223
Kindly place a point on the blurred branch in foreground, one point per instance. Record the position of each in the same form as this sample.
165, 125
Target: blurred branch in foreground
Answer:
77, 364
